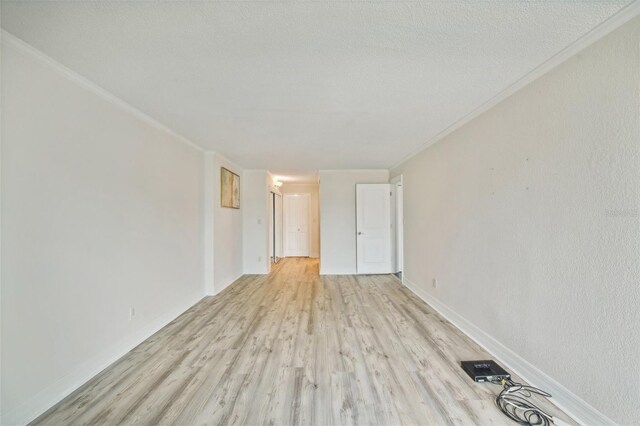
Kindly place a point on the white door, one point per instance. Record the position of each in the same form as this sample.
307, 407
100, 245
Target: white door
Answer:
296, 224
373, 228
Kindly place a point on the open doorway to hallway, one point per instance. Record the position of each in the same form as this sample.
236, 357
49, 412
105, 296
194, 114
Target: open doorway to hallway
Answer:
300, 214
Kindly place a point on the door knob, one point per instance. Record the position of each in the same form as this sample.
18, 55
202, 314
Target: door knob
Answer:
359, 233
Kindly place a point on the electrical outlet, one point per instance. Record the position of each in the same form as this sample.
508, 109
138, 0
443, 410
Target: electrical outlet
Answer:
434, 283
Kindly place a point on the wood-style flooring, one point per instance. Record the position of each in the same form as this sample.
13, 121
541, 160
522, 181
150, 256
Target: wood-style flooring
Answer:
293, 348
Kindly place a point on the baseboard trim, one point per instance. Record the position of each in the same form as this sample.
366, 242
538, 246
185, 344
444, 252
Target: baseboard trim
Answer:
566, 400
38, 404
220, 288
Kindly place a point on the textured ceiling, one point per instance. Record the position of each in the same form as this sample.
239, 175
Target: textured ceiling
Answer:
305, 84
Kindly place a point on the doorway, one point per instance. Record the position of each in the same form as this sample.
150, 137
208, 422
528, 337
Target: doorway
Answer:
379, 228
296, 225
373, 228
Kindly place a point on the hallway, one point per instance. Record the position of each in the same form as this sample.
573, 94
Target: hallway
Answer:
293, 348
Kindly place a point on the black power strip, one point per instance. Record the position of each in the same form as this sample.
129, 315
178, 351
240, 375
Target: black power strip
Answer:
484, 371
515, 398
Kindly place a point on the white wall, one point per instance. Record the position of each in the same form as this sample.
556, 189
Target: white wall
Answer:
255, 204
314, 191
1, 49
101, 212
223, 229
338, 217
534, 206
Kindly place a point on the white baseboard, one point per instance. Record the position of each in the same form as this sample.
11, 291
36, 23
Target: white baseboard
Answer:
566, 400
336, 271
48, 397
219, 288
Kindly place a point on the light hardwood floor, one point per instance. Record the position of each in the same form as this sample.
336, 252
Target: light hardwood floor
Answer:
293, 348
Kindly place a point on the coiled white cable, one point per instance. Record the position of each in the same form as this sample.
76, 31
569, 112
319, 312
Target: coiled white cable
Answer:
515, 402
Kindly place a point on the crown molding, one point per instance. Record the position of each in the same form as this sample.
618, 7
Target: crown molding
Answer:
607, 26
226, 159
9, 39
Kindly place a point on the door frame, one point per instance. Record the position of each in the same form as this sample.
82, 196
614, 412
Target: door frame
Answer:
398, 241
272, 227
307, 196
385, 268
276, 238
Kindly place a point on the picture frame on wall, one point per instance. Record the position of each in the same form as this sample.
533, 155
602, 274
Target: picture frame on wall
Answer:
229, 189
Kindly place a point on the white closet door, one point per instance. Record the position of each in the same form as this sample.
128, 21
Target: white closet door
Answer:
296, 224
373, 228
